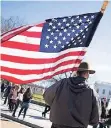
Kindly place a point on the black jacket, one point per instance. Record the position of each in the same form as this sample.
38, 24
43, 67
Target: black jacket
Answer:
2, 87
72, 103
27, 97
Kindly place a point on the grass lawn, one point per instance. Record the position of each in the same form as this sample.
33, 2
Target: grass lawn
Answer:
38, 97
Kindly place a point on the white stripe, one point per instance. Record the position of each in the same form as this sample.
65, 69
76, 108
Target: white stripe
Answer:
35, 66
13, 31
25, 39
32, 54
35, 76
35, 29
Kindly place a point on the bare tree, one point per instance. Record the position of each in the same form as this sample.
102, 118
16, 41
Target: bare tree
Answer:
61, 76
10, 23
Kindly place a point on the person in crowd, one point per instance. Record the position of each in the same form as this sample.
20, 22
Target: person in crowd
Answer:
2, 89
13, 98
7, 91
47, 109
26, 100
108, 121
19, 100
103, 114
73, 103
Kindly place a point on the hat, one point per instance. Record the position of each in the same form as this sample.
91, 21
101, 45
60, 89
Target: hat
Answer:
84, 66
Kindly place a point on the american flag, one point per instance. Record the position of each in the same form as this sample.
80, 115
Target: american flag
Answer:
38, 52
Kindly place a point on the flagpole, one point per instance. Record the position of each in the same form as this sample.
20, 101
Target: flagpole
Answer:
105, 4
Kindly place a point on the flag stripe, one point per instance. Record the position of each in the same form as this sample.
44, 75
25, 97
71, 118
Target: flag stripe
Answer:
18, 81
21, 46
25, 39
39, 76
35, 29
11, 30
38, 71
19, 28
31, 34
40, 25
39, 61
39, 55
11, 34
35, 66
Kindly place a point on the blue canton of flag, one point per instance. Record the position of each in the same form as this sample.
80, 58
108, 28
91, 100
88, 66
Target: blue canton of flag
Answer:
59, 34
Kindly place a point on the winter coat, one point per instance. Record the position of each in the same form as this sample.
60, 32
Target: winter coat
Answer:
72, 103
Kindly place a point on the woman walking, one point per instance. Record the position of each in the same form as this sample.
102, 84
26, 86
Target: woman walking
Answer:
26, 100
2, 90
19, 100
13, 98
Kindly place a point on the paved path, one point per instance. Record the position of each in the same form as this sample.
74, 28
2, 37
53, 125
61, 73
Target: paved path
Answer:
11, 124
34, 115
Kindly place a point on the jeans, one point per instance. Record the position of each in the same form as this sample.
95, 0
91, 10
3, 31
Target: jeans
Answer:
11, 104
6, 97
24, 107
16, 106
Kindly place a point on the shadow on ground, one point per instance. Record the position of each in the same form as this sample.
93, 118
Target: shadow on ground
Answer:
37, 117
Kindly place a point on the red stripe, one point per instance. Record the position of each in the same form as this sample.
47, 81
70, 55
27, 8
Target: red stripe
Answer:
39, 71
31, 34
7, 37
11, 30
18, 81
40, 25
39, 61
21, 46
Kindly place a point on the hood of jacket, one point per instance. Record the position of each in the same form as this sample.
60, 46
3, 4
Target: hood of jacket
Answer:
77, 84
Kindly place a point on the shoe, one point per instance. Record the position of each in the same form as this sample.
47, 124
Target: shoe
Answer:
42, 114
13, 115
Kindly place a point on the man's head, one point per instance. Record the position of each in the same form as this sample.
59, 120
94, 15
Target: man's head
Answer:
84, 70
84, 74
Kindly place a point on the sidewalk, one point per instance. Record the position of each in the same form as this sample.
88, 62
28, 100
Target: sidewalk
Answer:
33, 116
11, 124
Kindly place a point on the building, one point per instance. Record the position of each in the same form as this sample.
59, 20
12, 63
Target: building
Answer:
103, 89
35, 88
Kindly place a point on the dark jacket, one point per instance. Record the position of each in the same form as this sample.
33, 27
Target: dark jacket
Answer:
7, 91
72, 103
2, 87
27, 97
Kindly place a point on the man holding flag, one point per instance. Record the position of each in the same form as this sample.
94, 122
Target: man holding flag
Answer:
72, 101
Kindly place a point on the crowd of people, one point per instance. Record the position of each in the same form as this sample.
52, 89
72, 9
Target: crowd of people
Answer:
105, 114
16, 96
